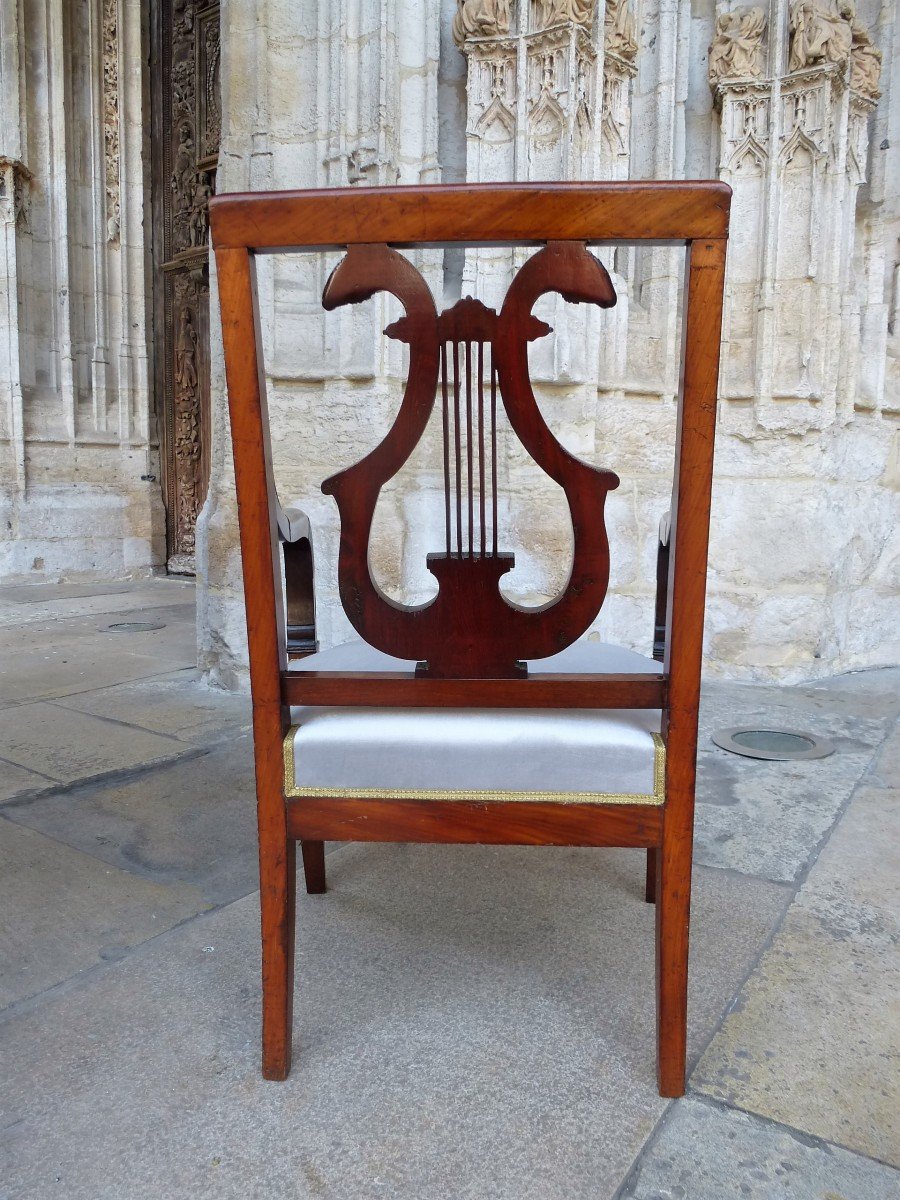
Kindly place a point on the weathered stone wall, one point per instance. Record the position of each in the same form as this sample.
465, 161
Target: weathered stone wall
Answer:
804, 557
75, 420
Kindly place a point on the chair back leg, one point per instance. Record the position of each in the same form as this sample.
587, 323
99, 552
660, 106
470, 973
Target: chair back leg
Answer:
673, 904
278, 894
314, 867
650, 885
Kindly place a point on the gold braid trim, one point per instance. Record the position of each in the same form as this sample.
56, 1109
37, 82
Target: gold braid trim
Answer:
655, 798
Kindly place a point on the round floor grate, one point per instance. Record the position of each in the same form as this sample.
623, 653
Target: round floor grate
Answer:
775, 745
134, 626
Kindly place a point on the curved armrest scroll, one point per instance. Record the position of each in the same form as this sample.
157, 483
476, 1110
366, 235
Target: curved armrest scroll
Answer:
295, 535
662, 587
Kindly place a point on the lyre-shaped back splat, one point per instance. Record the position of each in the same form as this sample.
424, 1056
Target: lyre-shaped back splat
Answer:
469, 628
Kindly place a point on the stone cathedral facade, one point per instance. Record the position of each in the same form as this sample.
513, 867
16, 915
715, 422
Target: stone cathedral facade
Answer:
119, 120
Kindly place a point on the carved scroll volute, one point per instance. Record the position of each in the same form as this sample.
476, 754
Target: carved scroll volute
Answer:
571, 270
469, 628
365, 270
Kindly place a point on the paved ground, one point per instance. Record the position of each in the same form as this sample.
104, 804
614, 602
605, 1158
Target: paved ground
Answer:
471, 1022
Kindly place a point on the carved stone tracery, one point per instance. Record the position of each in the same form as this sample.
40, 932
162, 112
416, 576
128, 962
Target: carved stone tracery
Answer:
15, 184
188, 445
554, 123
111, 116
799, 136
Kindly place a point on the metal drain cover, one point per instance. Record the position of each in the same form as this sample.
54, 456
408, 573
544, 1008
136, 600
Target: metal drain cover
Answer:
134, 626
775, 745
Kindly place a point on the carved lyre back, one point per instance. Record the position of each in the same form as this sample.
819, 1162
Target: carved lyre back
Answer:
468, 359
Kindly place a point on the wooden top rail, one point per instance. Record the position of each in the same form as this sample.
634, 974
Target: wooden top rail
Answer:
373, 689
331, 218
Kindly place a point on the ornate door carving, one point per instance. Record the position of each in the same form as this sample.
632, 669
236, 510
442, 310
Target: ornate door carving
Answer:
185, 132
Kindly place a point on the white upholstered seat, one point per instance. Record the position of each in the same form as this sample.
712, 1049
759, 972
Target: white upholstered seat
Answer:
602, 756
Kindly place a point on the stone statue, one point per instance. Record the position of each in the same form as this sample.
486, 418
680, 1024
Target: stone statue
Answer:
820, 32
618, 30
554, 12
186, 355
865, 62
736, 52
481, 18
199, 219
183, 174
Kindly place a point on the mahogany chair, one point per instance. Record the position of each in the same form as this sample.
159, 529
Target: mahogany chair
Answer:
524, 734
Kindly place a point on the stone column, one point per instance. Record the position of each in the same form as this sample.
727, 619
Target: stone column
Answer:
15, 182
76, 407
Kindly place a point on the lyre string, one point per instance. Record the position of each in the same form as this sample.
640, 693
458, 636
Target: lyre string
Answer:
480, 427
469, 478
494, 454
481, 444
446, 412
456, 415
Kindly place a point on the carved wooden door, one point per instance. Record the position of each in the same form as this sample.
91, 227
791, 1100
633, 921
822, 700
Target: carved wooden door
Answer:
185, 132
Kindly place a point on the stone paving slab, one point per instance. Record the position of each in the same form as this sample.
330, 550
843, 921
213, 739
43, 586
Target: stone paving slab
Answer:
768, 818
814, 1039
22, 604
175, 622
885, 771
471, 1021
61, 911
67, 746
192, 820
15, 780
179, 705
875, 685
57, 669
703, 1151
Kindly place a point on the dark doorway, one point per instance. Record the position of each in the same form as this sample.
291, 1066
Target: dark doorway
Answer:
185, 129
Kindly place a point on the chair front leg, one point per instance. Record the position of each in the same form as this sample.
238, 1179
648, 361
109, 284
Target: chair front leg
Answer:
278, 894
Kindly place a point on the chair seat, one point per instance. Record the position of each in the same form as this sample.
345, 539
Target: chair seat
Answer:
602, 756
